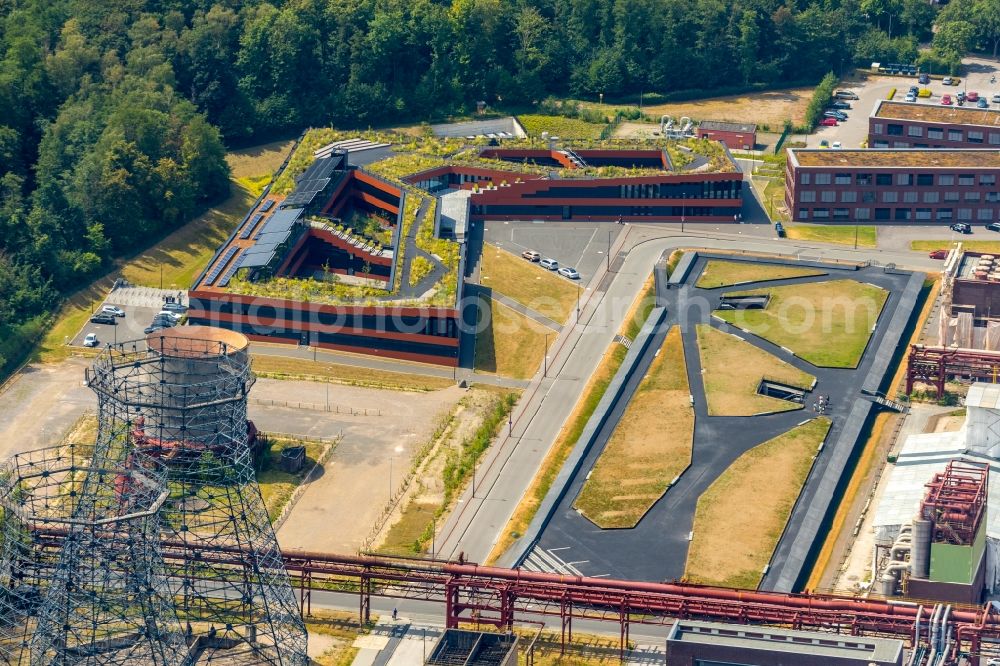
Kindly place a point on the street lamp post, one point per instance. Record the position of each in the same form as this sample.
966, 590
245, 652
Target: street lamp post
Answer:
855, 237
683, 210
545, 357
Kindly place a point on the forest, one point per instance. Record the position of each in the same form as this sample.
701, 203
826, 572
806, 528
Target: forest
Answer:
115, 115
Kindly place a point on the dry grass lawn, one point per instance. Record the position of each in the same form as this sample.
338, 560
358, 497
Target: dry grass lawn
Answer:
974, 246
740, 518
830, 233
527, 283
771, 108
732, 370
285, 367
511, 345
722, 273
825, 323
258, 160
276, 485
650, 446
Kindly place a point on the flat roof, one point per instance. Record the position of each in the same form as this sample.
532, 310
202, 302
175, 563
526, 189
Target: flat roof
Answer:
899, 158
937, 113
727, 127
774, 639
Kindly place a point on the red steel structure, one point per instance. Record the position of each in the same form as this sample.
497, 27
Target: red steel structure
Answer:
934, 365
955, 502
474, 594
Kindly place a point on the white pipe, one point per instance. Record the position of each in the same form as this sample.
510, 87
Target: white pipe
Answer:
901, 548
916, 635
944, 624
932, 627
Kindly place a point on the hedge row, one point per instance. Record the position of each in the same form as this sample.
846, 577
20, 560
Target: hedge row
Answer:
820, 100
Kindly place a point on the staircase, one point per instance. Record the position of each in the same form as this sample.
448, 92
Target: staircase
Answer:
574, 159
889, 405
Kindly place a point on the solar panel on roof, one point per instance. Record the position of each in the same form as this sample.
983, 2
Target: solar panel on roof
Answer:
230, 272
268, 205
256, 259
248, 228
214, 273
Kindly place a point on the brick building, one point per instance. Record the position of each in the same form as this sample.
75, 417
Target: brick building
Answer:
907, 185
735, 135
908, 125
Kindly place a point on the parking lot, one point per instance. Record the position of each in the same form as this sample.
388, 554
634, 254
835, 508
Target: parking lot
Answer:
854, 131
581, 246
140, 305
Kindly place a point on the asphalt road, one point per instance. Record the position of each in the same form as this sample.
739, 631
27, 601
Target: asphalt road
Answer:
656, 549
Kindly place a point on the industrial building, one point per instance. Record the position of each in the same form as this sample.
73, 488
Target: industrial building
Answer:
937, 524
907, 125
328, 263
697, 643
904, 185
457, 647
735, 135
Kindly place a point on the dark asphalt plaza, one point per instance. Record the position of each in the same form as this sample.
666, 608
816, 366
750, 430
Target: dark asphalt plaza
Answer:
656, 549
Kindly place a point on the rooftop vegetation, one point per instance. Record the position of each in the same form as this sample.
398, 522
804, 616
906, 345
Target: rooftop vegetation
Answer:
560, 126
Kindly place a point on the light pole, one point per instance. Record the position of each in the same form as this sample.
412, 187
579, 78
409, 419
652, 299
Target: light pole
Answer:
578, 302
855, 237
545, 357
601, 95
683, 210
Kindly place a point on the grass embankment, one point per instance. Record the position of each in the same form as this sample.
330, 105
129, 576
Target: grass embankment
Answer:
276, 485
740, 517
509, 343
829, 233
944, 244
527, 283
338, 629
825, 323
180, 256
732, 369
284, 367
560, 126
650, 446
722, 273
574, 425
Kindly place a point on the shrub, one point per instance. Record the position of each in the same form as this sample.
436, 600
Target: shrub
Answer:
892, 93
820, 99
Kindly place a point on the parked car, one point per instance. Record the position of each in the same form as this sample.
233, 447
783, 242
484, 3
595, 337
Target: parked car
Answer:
531, 255
845, 94
910, 97
961, 227
924, 79
153, 328
841, 105
173, 316
938, 254
175, 307
569, 272
823, 143
960, 96
160, 320
982, 103
113, 310
91, 340
779, 228
948, 81
996, 99
548, 263
946, 100
836, 144
993, 226
972, 96
833, 113
103, 318
828, 122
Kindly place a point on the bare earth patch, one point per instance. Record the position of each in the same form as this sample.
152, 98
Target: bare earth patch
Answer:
732, 369
771, 108
825, 323
741, 516
722, 273
649, 447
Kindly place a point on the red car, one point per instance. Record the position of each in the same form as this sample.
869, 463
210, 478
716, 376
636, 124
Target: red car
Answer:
938, 254
946, 100
828, 122
972, 96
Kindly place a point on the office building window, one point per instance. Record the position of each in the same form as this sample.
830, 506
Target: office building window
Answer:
877, 128
910, 196
922, 213
992, 197
914, 130
842, 179
828, 196
823, 179
925, 179
862, 213
951, 196
994, 138
868, 197
894, 129
946, 179
821, 212
988, 179
804, 178
900, 144
880, 144
883, 179
974, 137
965, 213
848, 196
863, 179
931, 197
904, 179
944, 213
807, 196
935, 133
841, 213
902, 213
966, 179
882, 213
984, 214
971, 196
890, 196
803, 213
954, 135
